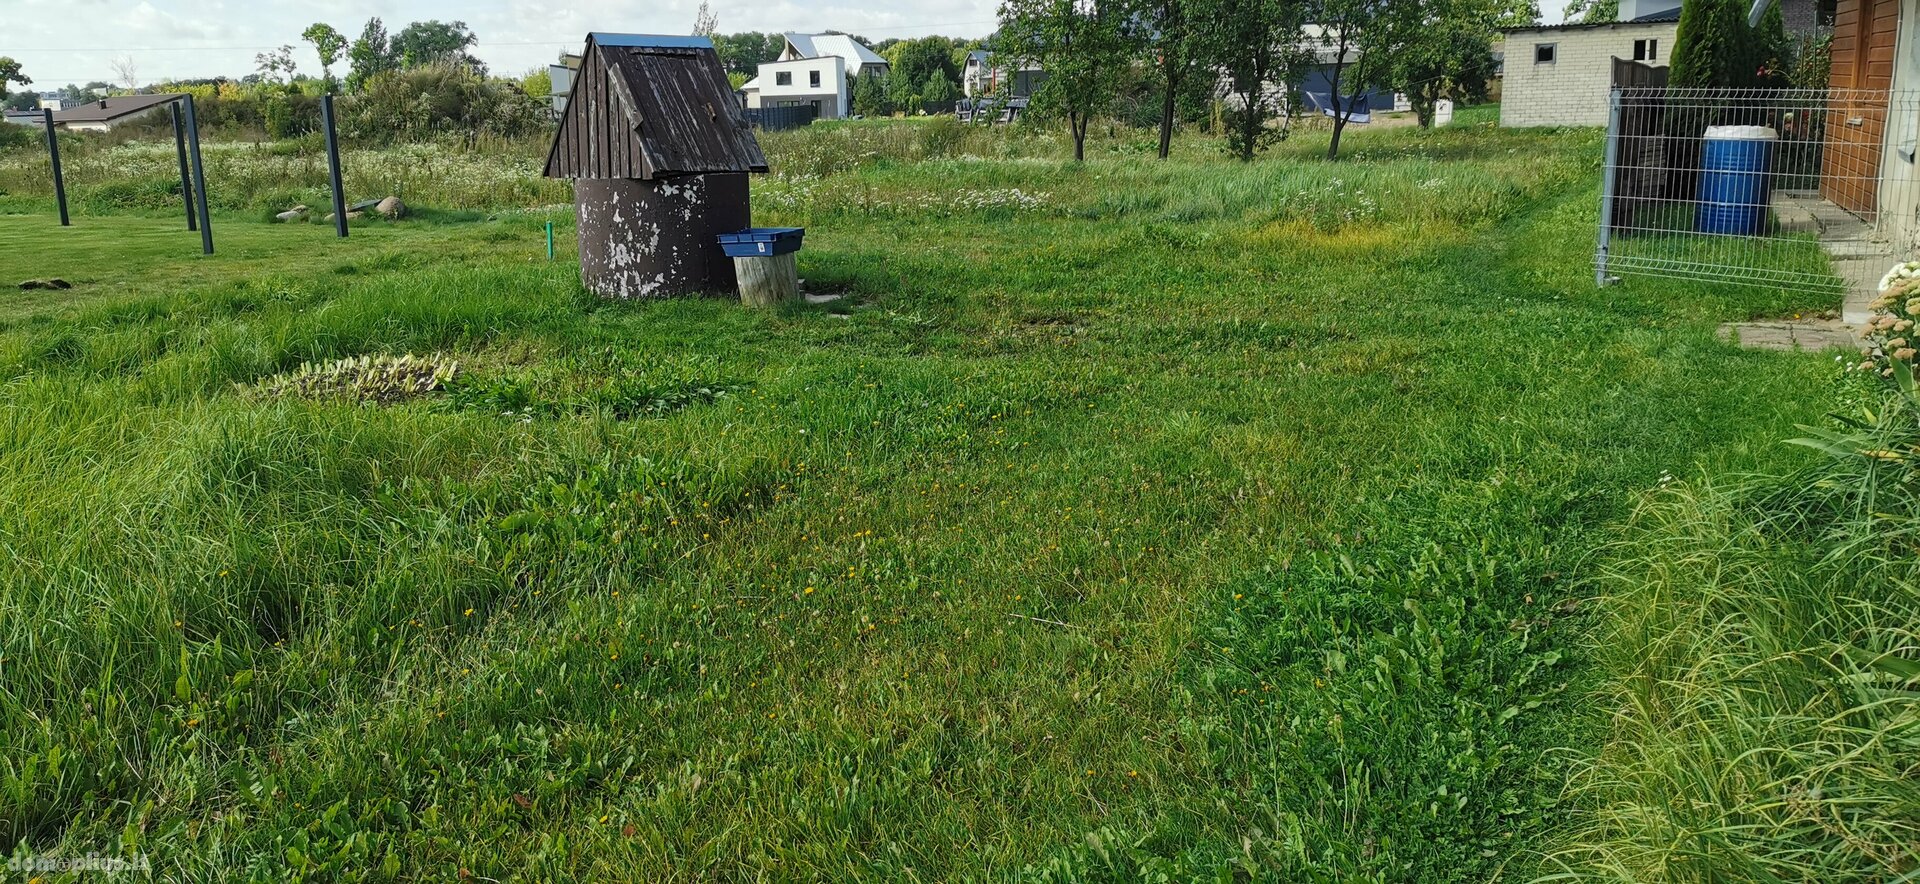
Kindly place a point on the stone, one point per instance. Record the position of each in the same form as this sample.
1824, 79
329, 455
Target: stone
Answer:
55, 283
391, 208
351, 216
297, 213
1806, 335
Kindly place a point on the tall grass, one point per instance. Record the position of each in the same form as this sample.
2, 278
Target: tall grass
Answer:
1763, 643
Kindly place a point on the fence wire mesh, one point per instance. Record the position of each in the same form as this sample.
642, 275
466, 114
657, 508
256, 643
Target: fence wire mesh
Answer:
1746, 185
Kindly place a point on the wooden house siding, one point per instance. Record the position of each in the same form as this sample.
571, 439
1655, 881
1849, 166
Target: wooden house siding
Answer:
1864, 35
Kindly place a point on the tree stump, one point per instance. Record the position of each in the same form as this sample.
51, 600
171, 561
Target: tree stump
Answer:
765, 282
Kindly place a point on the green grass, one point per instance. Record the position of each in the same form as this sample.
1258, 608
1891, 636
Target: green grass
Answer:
1184, 525
1762, 635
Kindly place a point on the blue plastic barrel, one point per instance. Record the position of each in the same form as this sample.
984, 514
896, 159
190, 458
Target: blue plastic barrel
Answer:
1735, 180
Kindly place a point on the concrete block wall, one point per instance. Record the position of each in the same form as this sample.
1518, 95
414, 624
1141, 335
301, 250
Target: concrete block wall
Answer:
1572, 89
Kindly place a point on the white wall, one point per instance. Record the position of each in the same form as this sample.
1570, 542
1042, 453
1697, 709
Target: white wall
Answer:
1571, 90
1899, 196
832, 93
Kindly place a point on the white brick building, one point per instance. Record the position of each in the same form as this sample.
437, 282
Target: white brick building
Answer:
1559, 75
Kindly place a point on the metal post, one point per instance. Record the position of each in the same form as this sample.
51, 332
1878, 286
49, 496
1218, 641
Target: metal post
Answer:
1607, 172
199, 179
333, 166
59, 174
186, 177
549, 240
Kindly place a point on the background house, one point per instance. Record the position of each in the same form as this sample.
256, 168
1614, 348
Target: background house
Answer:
986, 74
1560, 75
814, 70
102, 115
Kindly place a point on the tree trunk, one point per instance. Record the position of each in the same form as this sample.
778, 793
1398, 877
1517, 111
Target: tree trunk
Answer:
1079, 126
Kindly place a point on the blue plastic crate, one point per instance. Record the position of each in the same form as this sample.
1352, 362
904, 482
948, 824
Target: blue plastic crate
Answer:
762, 242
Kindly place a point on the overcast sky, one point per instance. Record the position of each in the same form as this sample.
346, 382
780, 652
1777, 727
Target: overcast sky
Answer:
74, 41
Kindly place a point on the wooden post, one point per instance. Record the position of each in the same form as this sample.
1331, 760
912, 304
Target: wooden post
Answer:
765, 282
59, 174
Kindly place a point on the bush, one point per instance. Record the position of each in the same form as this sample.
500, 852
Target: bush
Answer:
421, 102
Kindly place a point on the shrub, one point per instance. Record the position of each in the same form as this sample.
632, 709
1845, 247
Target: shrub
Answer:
437, 99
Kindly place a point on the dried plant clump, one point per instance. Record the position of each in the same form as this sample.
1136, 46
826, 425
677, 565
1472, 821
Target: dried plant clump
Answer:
381, 380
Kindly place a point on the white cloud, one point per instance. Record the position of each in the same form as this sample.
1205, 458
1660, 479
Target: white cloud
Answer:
60, 41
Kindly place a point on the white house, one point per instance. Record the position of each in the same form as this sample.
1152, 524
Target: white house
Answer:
814, 70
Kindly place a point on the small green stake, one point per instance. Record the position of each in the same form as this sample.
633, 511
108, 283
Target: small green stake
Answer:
549, 240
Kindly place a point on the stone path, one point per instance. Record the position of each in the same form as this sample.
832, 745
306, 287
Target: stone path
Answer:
1858, 259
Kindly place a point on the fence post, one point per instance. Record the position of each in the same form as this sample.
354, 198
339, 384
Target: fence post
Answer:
199, 179
186, 176
59, 175
333, 166
1607, 172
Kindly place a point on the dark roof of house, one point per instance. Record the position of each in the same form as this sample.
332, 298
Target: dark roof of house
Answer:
114, 108
648, 108
1667, 16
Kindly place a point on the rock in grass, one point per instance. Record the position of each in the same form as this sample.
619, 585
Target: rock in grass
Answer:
297, 213
351, 216
391, 208
54, 283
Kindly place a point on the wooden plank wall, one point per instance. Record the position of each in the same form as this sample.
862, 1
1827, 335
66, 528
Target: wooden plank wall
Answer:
1864, 34
595, 138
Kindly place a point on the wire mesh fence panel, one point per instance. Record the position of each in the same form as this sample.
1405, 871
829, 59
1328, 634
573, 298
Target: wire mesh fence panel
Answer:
1745, 185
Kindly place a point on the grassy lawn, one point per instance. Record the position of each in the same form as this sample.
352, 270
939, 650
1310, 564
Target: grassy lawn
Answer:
1192, 519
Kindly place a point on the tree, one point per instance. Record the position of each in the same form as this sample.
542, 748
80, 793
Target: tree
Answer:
10, 73
1256, 45
1083, 44
327, 43
1773, 51
705, 23
1168, 40
1443, 49
902, 93
538, 83
1714, 46
371, 54
938, 90
276, 66
1361, 37
126, 72
1592, 12
436, 42
870, 96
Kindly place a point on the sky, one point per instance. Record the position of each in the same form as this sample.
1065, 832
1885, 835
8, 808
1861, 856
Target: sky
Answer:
76, 41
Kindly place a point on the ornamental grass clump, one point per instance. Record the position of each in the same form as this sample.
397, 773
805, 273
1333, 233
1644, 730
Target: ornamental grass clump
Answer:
380, 380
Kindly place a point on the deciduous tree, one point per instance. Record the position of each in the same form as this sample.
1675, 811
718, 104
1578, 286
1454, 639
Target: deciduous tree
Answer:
437, 42
327, 43
1258, 48
10, 74
1083, 44
371, 54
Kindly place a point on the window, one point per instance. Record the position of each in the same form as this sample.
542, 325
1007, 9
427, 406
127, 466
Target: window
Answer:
1646, 50
1543, 53
813, 79
783, 78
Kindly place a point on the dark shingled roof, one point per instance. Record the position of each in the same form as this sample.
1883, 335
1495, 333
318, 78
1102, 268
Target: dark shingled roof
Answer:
650, 108
114, 108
